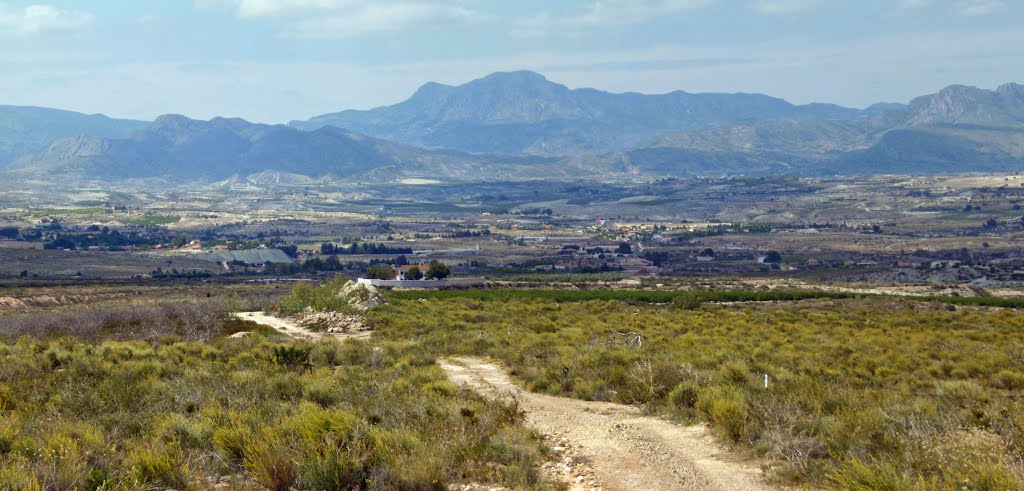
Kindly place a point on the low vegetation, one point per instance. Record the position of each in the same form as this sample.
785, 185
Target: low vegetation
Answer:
322, 297
694, 297
863, 393
250, 413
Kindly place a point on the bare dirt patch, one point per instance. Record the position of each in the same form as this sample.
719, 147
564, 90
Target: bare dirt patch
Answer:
294, 328
600, 445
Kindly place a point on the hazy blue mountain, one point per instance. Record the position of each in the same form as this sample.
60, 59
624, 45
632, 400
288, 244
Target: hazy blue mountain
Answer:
26, 130
963, 105
180, 148
958, 129
549, 131
523, 113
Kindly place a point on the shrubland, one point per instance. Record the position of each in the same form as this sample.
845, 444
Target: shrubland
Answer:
248, 412
863, 393
159, 396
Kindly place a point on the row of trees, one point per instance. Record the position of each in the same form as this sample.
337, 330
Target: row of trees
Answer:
329, 248
435, 271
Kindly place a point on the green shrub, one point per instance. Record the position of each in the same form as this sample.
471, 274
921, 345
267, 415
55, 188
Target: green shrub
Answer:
292, 356
322, 297
874, 476
1009, 379
684, 396
231, 440
322, 392
270, 461
288, 386
19, 475
727, 410
7, 398
173, 414
159, 465
332, 468
188, 432
314, 425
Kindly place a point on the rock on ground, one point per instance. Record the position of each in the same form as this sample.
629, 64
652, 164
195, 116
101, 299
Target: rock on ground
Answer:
361, 297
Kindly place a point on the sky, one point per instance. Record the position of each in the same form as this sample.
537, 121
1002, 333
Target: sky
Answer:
273, 61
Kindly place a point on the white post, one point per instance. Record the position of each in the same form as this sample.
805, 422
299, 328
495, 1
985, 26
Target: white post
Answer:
766, 381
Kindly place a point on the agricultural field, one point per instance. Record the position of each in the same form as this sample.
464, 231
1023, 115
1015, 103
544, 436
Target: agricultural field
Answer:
882, 229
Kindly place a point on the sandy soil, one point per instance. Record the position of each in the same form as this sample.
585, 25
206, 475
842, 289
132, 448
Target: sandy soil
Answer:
609, 446
293, 329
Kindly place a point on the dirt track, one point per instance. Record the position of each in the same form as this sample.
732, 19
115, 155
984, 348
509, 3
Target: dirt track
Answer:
612, 446
292, 328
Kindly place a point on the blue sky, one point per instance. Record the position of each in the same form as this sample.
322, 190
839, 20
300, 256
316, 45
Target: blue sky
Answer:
276, 60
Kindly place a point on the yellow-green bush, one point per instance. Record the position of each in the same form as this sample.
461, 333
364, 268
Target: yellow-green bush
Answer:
158, 465
172, 414
855, 385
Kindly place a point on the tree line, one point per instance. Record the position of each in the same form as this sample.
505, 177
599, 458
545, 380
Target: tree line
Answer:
330, 249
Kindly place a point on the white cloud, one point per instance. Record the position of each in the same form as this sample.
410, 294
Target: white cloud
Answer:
260, 8
914, 4
604, 12
379, 18
346, 18
35, 19
601, 13
907, 6
783, 6
980, 7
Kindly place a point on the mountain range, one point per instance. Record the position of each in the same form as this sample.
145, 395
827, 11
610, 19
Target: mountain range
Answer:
180, 148
28, 130
523, 113
519, 125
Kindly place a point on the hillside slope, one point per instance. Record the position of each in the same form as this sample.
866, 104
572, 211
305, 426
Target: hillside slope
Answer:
25, 130
523, 113
180, 148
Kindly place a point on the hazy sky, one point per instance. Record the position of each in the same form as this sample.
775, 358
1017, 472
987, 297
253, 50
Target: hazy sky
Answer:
276, 60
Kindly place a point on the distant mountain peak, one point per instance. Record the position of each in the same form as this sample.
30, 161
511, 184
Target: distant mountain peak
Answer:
518, 76
964, 104
27, 130
166, 119
1011, 90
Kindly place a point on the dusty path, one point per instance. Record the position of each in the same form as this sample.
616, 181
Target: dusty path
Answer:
612, 446
293, 329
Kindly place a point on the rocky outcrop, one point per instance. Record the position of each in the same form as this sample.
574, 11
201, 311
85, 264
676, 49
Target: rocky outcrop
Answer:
361, 297
332, 322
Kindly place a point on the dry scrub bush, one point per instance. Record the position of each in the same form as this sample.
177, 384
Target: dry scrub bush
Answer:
855, 385
174, 414
187, 320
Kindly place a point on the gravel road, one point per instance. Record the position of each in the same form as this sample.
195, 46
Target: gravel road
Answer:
608, 446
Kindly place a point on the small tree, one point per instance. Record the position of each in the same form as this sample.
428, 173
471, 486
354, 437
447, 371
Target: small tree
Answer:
625, 248
414, 273
380, 272
438, 271
773, 257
